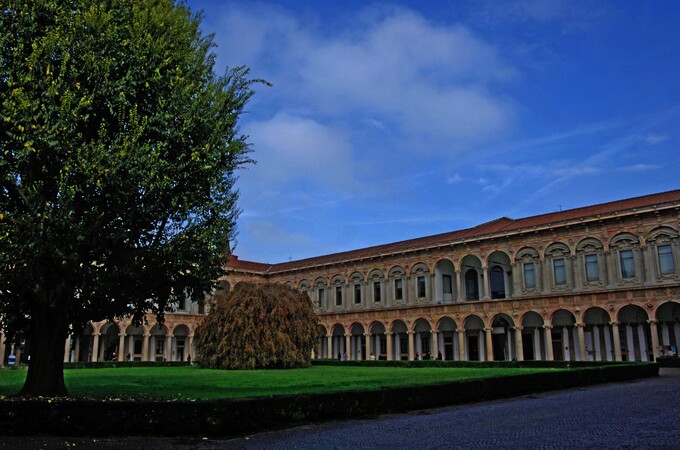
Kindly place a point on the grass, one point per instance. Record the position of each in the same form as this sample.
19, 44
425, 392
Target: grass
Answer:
195, 383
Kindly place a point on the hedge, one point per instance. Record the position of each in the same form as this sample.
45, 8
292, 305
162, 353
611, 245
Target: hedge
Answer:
73, 417
110, 364
668, 361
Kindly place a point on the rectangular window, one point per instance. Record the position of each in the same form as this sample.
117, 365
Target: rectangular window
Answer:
357, 294
666, 263
421, 287
322, 297
592, 268
398, 291
376, 291
529, 276
338, 295
559, 266
627, 264
447, 283
159, 345
138, 346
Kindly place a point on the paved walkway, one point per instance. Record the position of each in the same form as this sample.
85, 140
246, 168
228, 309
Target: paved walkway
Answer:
637, 414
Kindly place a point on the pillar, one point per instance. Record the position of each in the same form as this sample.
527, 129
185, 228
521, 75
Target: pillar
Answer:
461, 345
2, 349
608, 343
581, 340
488, 344
630, 342
67, 350
565, 344
367, 338
145, 347
486, 287
597, 344
643, 342
519, 345
329, 342
459, 286
548, 342
95, 347
191, 346
348, 345
411, 347
435, 344
617, 340
537, 345
655, 338
121, 346
168, 347
390, 357
76, 350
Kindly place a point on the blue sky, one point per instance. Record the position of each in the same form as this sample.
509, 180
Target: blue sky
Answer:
394, 120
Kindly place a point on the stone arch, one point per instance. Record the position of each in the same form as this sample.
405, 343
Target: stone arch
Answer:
159, 345
400, 340
423, 338
500, 273
502, 338
338, 342
533, 336
564, 334
445, 281
357, 342
634, 333
109, 342
668, 328
448, 342
472, 274
181, 343
598, 335
474, 340
135, 339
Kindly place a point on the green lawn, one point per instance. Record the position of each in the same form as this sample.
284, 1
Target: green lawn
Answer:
195, 383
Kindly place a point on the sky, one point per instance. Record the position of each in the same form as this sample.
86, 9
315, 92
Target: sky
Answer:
388, 121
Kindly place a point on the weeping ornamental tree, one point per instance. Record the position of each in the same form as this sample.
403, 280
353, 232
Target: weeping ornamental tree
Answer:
257, 326
118, 146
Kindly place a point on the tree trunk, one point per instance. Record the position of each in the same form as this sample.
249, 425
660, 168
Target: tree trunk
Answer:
46, 367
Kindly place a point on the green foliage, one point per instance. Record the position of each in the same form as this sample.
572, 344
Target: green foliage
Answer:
257, 326
118, 147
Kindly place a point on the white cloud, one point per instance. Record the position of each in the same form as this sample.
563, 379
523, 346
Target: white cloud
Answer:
653, 138
640, 168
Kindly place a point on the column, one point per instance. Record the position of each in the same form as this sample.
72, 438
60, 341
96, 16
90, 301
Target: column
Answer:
486, 289
121, 346
665, 334
67, 349
548, 342
95, 347
419, 346
519, 345
435, 344
677, 338
581, 341
461, 345
440, 345
168, 347
2, 348
459, 286
565, 344
397, 347
411, 347
390, 357
329, 350
537, 345
377, 349
630, 342
643, 342
101, 349
655, 338
145, 347
509, 343
597, 345
348, 346
488, 344
367, 338
76, 350
617, 340
608, 343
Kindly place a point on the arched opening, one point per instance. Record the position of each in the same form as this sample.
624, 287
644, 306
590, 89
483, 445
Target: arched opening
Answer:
564, 337
533, 342
472, 268
134, 346
500, 272
159, 344
400, 343
83, 346
378, 341
636, 345
108, 342
180, 345
668, 328
448, 344
357, 342
598, 335
423, 339
474, 339
445, 281
502, 338
338, 342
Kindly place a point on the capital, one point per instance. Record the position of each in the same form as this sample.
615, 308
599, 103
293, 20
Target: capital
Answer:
653, 322
614, 323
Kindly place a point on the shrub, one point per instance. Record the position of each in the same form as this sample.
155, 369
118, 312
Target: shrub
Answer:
257, 326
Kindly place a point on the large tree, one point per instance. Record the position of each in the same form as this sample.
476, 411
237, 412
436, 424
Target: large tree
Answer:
118, 146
